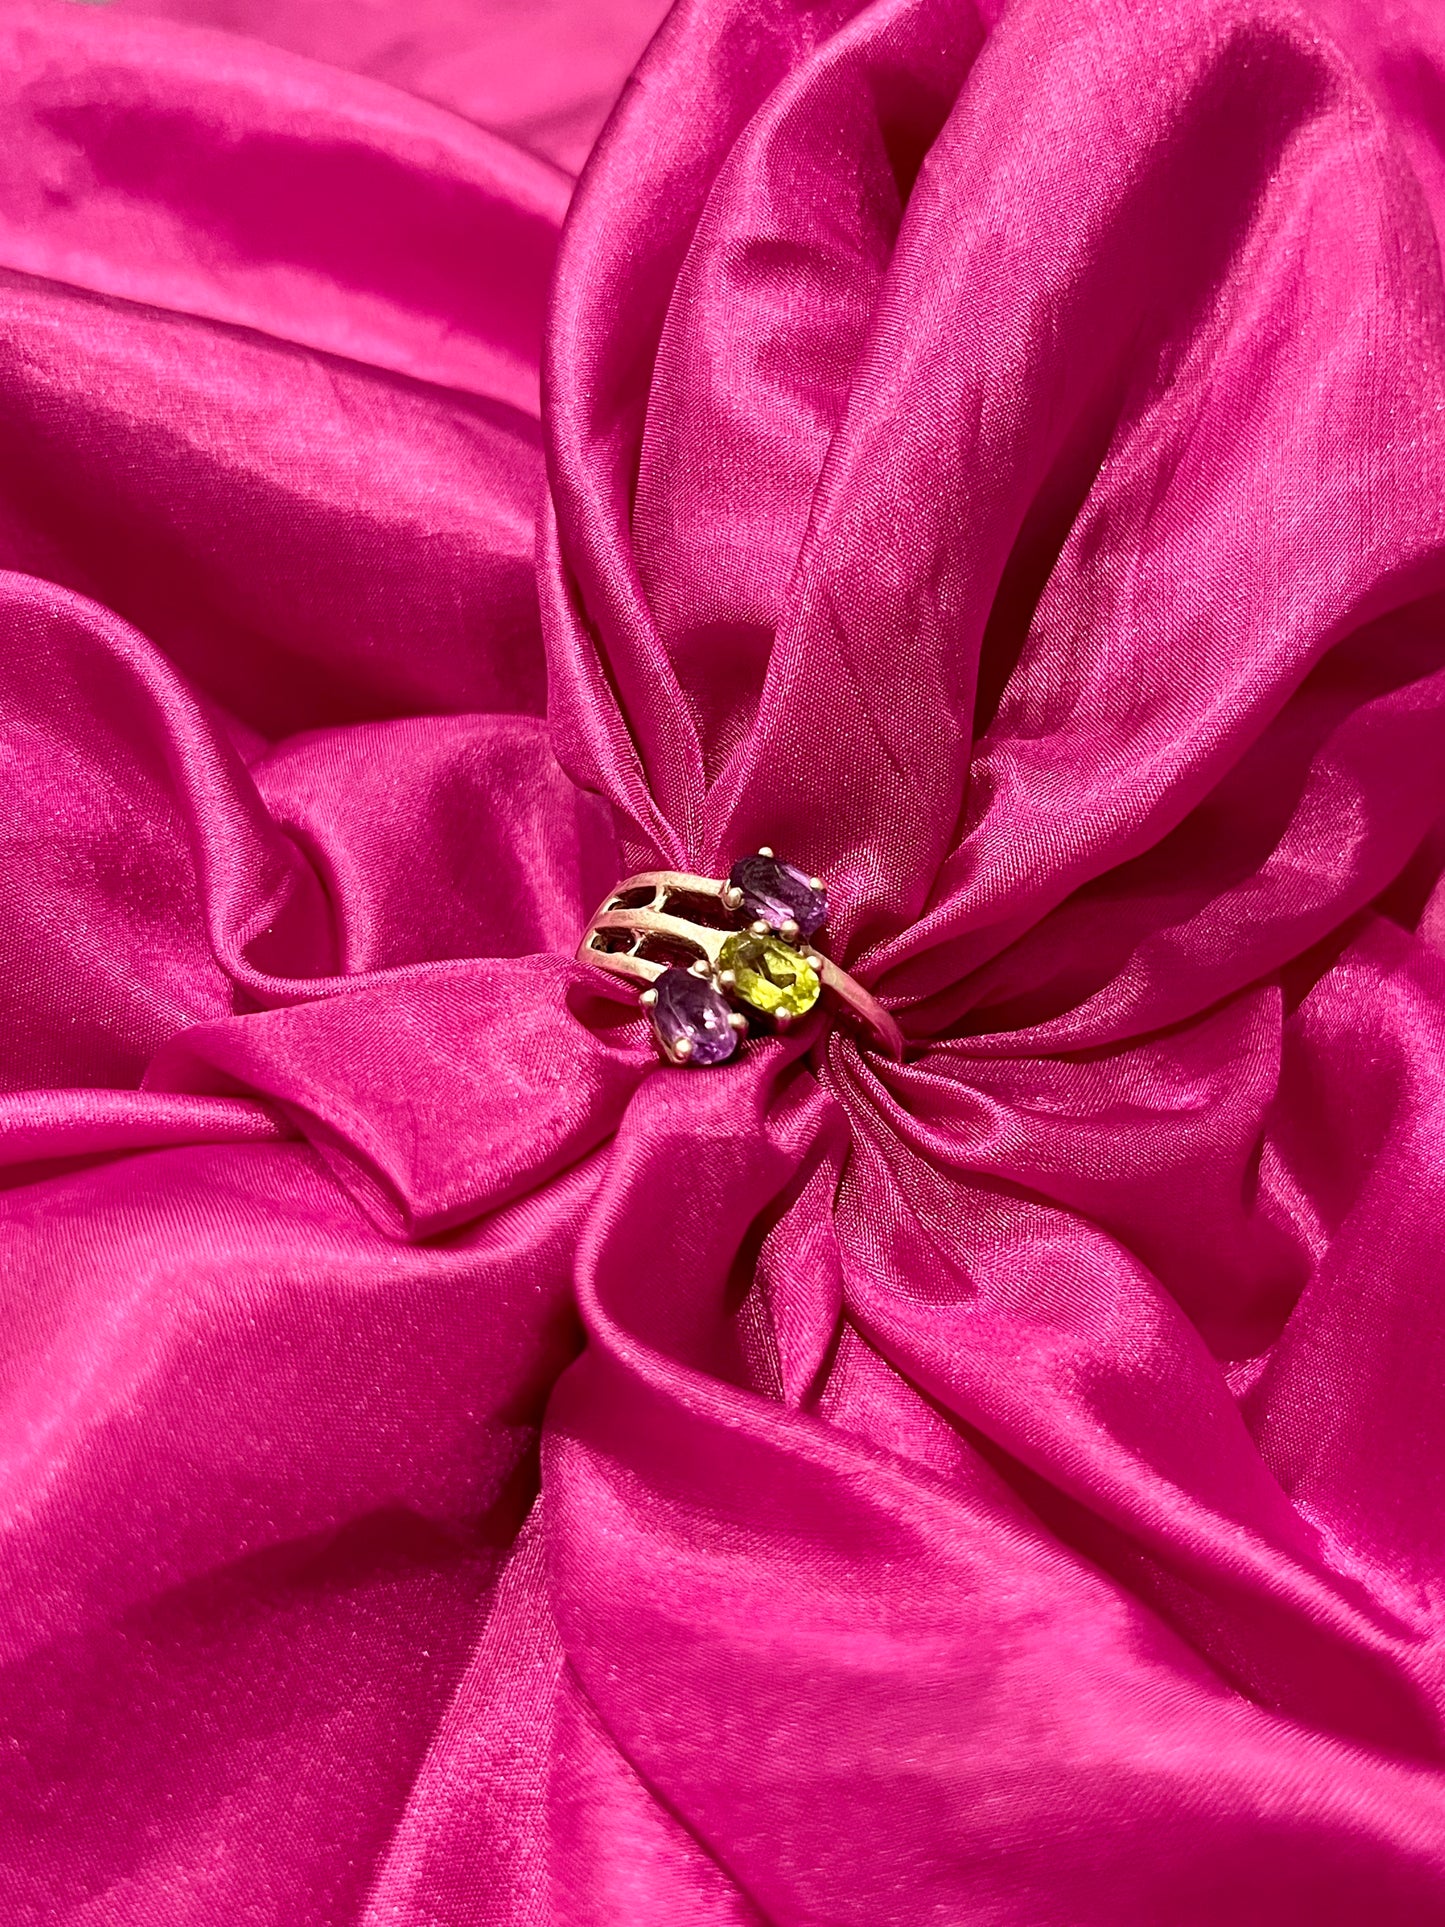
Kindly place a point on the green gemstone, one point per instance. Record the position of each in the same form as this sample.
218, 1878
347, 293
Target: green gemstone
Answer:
770, 975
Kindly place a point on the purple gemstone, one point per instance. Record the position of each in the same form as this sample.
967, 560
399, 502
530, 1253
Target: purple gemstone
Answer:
776, 893
689, 1007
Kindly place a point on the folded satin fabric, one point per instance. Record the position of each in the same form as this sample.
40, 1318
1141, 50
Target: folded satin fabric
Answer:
456, 1471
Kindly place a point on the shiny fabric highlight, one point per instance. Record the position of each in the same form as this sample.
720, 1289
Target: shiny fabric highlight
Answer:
457, 1472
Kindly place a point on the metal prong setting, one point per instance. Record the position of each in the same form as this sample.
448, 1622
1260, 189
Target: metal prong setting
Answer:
764, 849
738, 1021
648, 999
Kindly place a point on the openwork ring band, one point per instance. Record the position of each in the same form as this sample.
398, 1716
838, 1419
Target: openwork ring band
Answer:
717, 961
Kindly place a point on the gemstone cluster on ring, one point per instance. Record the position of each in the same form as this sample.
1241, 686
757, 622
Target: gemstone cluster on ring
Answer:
764, 975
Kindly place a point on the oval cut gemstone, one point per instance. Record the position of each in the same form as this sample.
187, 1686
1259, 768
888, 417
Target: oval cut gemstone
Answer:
688, 1007
769, 974
775, 893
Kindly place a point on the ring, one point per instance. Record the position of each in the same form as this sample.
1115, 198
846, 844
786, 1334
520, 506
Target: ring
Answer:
716, 962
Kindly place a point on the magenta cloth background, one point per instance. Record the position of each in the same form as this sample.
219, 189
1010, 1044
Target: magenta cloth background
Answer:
457, 1473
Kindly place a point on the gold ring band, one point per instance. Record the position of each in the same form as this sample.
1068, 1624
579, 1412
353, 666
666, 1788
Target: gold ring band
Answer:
765, 973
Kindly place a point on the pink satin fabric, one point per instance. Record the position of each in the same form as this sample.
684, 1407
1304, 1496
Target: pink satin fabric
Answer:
457, 1473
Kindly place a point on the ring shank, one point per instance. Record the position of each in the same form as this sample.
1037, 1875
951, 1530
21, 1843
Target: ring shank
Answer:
866, 1008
